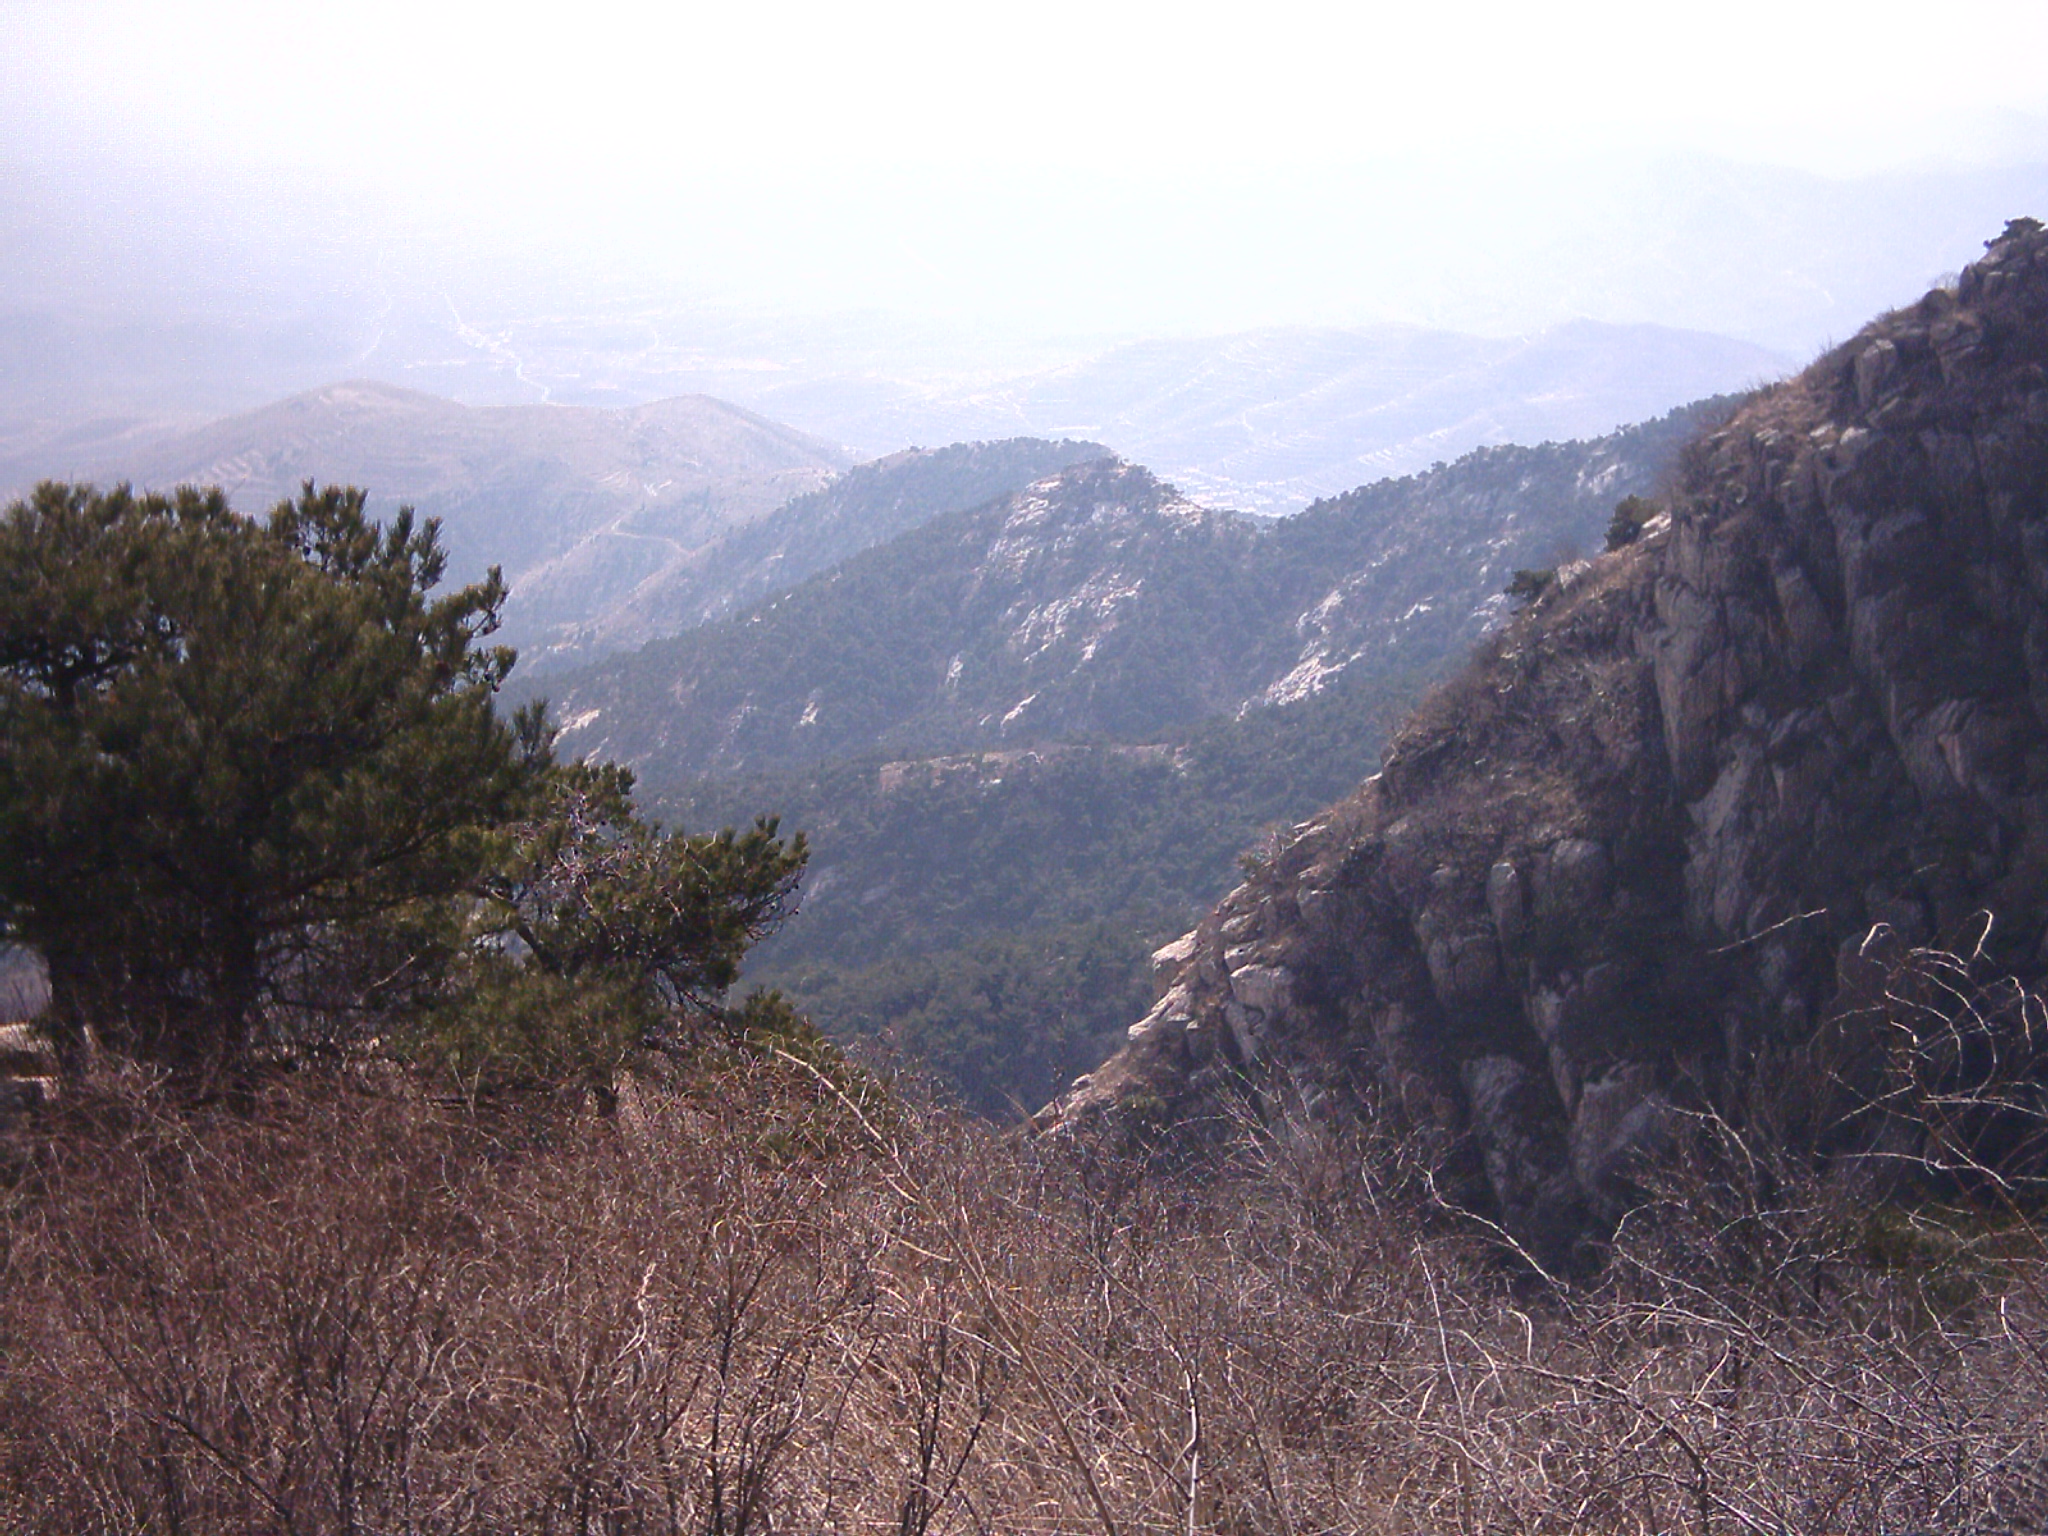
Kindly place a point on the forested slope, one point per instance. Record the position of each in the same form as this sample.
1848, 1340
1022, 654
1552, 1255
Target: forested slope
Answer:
1102, 604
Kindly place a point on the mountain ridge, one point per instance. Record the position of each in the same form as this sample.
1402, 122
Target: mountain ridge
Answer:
1102, 604
868, 504
613, 494
614, 524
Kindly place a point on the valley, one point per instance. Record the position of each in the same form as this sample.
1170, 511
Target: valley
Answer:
1048, 726
1092, 769
1025, 699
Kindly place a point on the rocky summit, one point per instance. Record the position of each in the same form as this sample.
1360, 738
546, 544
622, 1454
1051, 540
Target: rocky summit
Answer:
1647, 839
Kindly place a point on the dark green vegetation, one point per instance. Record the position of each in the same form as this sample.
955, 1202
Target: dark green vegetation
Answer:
1631, 515
989, 916
254, 794
1040, 732
588, 933
862, 659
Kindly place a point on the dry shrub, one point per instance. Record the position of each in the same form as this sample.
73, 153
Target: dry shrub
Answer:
351, 1310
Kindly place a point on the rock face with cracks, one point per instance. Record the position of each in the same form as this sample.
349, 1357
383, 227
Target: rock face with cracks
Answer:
1644, 837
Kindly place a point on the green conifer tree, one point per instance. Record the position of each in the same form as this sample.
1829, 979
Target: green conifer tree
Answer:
222, 739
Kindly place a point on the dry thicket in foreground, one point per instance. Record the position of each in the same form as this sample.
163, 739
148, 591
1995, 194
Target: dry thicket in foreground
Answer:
757, 1310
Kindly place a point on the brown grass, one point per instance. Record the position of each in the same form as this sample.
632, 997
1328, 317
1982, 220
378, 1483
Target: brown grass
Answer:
750, 1309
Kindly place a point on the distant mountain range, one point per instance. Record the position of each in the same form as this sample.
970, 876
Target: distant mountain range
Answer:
1267, 421
1261, 421
614, 525
582, 506
126, 312
617, 525
1100, 604
519, 486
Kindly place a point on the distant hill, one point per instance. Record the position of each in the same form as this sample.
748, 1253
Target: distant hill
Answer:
1102, 604
1263, 421
868, 505
580, 502
614, 525
1269, 420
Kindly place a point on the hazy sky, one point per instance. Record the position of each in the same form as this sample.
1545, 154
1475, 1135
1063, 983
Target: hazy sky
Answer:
1112, 167
409, 92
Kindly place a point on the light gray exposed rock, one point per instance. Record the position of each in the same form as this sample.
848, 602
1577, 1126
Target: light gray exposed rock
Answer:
1169, 960
1260, 996
1268, 988
1170, 1015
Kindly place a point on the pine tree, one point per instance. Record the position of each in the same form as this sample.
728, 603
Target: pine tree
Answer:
224, 741
593, 932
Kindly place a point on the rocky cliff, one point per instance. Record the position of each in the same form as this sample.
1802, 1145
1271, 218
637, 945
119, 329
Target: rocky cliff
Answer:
1639, 843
